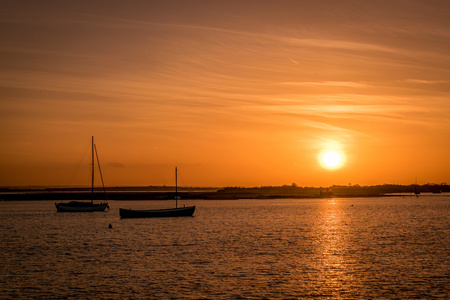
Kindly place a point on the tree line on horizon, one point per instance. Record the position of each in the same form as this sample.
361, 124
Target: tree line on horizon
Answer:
342, 189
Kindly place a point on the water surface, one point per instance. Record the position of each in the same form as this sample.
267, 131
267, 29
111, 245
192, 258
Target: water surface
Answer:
370, 248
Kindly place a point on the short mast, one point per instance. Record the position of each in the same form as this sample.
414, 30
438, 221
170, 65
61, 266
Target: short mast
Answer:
176, 187
92, 183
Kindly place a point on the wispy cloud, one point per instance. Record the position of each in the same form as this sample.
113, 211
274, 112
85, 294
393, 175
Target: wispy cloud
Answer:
336, 44
116, 165
430, 82
327, 83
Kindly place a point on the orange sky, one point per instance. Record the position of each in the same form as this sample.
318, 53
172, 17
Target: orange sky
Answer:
235, 93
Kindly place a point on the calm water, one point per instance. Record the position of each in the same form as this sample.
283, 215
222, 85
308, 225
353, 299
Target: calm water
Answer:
391, 248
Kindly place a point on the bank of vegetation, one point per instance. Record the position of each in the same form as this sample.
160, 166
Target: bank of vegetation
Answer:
263, 192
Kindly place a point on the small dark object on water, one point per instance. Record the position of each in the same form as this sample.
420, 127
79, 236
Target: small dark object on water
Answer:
110, 226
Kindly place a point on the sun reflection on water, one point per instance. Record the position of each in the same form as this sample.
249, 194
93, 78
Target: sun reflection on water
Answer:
334, 264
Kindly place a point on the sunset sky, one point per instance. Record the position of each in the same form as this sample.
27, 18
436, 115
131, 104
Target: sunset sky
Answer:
234, 93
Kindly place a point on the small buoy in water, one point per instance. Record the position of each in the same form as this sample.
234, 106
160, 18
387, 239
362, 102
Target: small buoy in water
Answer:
110, 226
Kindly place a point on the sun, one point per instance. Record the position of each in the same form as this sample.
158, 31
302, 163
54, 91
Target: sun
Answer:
331, 159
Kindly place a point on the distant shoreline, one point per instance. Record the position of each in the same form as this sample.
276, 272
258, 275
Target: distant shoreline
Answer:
146, 196
228, 193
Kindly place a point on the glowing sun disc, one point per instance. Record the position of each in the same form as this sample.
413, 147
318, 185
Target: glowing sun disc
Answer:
331, 159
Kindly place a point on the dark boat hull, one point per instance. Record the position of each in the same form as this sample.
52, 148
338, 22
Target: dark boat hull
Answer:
157, 213
76, 206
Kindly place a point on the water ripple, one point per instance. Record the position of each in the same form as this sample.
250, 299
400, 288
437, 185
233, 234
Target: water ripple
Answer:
388, 248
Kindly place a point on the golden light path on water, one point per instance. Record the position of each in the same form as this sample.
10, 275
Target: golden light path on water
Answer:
336, 269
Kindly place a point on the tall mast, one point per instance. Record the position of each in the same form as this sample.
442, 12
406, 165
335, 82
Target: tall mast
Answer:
176, 187
92, 183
